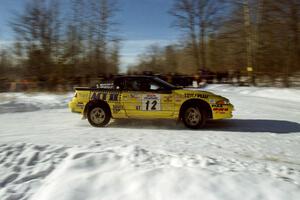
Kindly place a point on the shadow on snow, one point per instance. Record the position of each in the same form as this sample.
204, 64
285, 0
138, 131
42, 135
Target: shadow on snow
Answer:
232, 125
254, 125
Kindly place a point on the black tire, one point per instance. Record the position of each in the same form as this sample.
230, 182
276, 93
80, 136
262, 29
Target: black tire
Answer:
98, 115
194, 117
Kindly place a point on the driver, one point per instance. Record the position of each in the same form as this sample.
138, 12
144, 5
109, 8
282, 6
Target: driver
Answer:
145, 86
135, 86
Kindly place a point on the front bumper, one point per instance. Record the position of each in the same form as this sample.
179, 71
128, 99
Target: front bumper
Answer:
223, 111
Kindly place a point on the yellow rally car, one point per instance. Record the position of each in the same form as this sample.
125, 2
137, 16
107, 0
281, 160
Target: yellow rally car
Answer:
148, 97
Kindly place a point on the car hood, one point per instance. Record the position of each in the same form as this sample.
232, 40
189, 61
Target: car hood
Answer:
195, 90
199, 91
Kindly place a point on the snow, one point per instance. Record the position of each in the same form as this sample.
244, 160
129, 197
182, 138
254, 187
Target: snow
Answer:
23, 166
287, 94
135, 173
49, 153
22, 102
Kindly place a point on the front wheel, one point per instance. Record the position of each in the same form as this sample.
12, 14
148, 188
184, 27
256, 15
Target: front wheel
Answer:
98, 116
194, 117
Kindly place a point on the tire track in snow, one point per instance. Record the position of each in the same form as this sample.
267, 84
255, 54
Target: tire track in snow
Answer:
24, 166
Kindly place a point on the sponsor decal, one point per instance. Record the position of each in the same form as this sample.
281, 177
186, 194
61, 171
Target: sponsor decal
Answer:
212, 101
134, 96
168, 99
83, 96
99, 96
80, 105
105, 96
202, 96
125, 98
217, 106
188, 96
117, 108
151, 97
220, 109
178, 98
114, 97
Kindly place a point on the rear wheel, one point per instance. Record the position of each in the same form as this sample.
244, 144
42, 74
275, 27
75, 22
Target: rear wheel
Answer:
98, 116
194, 117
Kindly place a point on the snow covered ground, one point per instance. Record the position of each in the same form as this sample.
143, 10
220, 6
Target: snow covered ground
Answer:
22, 102
46, 152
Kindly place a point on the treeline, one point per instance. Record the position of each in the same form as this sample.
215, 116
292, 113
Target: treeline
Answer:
230, 35
55, 41
58, 40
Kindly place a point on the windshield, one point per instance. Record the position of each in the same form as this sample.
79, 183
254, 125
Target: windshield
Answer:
168, 85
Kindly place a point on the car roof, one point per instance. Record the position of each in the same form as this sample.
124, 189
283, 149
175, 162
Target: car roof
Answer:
134, 76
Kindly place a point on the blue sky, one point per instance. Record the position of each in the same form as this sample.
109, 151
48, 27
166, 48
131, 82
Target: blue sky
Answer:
142, 23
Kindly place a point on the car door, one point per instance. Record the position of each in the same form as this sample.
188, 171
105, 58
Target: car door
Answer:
146, 98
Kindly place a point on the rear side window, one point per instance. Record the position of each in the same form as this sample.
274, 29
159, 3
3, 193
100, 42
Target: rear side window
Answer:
119, 84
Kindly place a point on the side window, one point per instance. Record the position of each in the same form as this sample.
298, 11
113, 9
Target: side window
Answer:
155, 86
119, 84
134, 85
143, 85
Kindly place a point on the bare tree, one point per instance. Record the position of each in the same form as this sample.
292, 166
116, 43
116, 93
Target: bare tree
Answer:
85, 42
101, 30
278, 34
75, 34
114, 57
198, 18
37, 28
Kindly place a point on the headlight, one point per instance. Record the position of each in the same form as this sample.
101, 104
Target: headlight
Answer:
223, 102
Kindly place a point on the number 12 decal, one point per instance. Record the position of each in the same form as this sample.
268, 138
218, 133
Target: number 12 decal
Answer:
151, 102
153, 105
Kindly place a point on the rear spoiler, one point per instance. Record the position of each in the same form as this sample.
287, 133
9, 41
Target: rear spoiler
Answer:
94, 89
101, 86
84, 88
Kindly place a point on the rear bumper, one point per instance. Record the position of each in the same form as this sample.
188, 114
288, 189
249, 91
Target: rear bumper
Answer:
75, 106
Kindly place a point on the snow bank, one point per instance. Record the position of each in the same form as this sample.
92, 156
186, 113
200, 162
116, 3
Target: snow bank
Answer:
26, 102
287, 94
127, 172
136, 173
